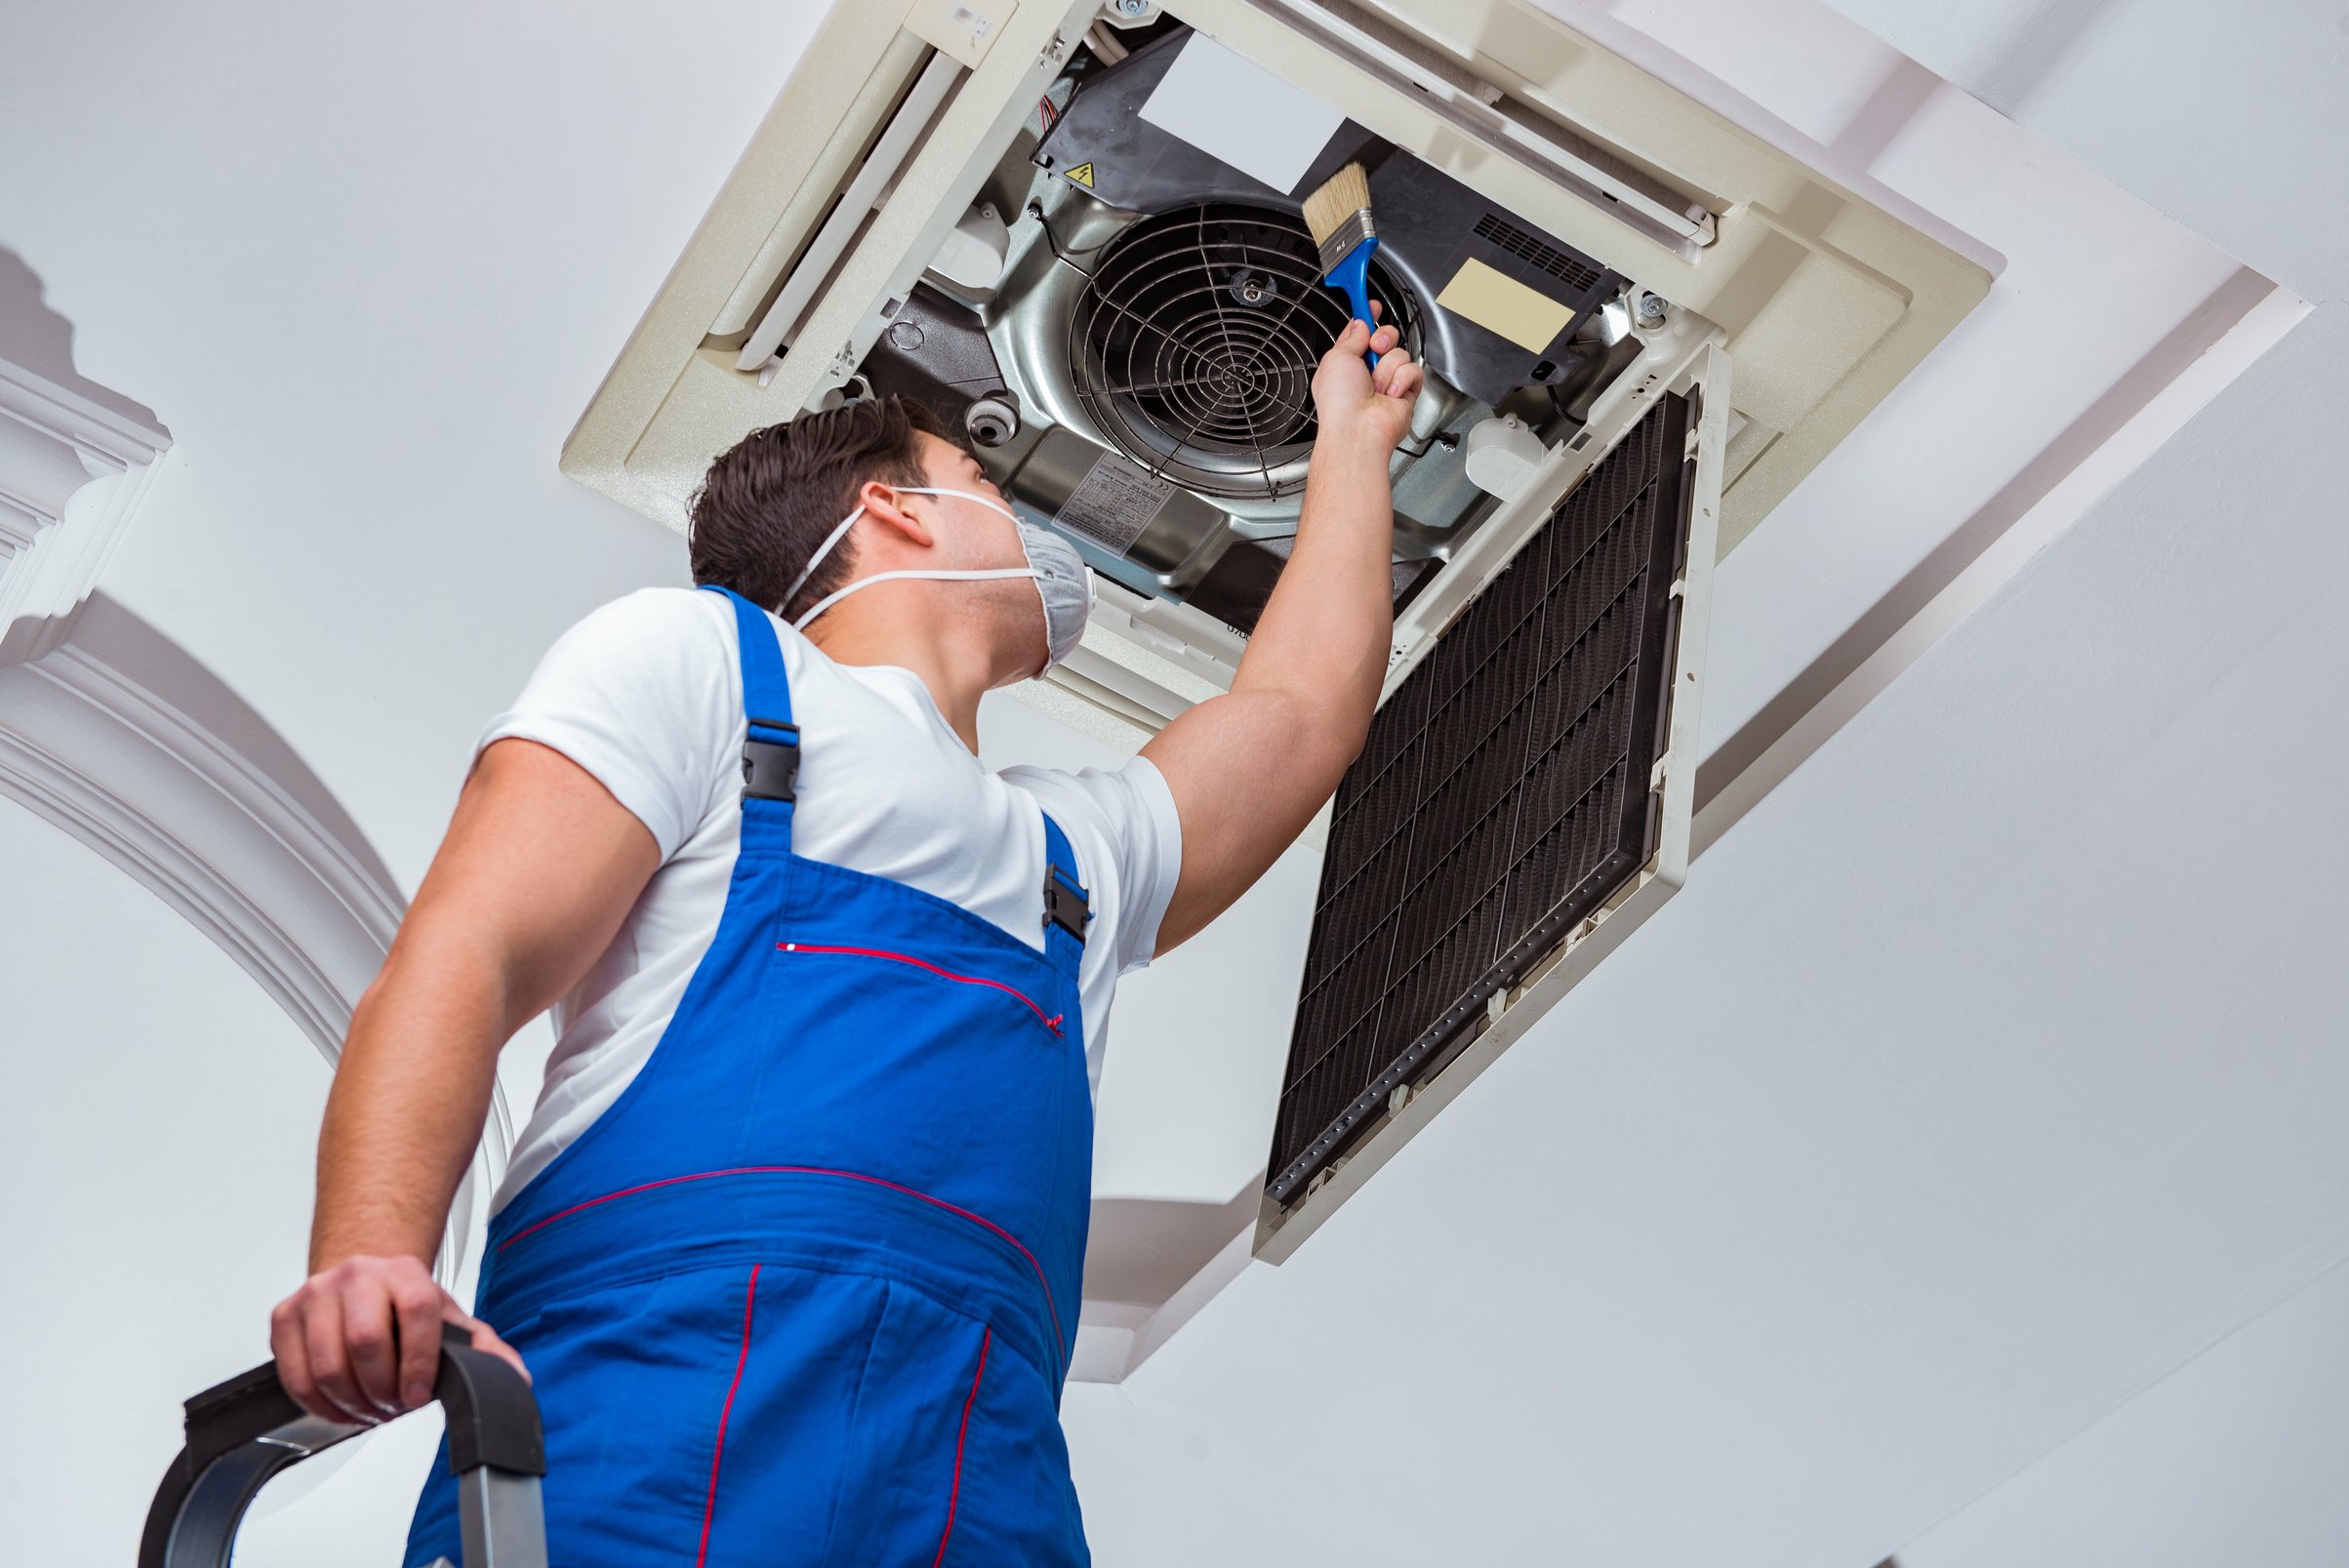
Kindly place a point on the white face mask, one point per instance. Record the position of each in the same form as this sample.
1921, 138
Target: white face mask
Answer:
1062, 583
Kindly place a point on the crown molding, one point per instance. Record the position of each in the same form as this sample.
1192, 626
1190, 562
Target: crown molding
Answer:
71, 473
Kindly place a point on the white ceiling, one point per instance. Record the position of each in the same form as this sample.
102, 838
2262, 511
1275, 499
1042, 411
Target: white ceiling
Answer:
2235, 1458
1985, 1074
2232, 121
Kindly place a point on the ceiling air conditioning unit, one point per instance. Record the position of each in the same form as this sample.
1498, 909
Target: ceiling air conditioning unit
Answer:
1074, 230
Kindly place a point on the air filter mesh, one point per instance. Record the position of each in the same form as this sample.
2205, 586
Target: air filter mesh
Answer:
1502, 795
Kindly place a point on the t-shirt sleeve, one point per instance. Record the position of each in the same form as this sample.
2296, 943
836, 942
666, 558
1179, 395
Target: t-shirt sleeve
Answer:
642, 695
1121, 822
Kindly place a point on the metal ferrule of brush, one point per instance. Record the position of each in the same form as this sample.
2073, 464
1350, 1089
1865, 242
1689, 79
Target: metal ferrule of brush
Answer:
1348, 234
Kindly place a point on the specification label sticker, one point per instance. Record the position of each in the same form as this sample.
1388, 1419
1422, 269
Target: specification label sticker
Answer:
1114, 503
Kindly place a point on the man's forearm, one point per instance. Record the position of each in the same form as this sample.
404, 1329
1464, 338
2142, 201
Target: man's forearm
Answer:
1324, 632
408, 1103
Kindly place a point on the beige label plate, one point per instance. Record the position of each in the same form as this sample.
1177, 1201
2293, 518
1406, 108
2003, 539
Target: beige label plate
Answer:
1499, 303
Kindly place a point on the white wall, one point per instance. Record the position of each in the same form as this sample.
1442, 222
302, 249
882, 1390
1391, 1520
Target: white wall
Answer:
147, 1231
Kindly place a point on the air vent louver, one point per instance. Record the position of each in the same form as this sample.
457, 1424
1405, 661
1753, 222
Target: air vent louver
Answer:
1572, 271
1502, 796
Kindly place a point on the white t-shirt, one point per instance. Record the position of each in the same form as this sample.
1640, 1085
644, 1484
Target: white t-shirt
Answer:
646, 694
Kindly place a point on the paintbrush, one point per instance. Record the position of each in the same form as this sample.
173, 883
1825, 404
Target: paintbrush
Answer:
1338, 214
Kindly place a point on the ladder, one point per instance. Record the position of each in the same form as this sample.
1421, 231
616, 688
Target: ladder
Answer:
243, 1431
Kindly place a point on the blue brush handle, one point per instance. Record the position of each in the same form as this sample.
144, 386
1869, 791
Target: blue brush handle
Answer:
1352, 277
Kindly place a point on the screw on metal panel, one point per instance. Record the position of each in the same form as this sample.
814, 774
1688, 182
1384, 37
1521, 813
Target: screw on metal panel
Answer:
1651, 310
1133, 8
991, 421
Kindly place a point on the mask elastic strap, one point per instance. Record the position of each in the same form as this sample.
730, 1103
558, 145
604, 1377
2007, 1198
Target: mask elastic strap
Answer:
997, 508
832, 598
846, 523
817, 559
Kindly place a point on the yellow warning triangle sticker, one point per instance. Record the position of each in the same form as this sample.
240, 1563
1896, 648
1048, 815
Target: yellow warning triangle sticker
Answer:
1083, 174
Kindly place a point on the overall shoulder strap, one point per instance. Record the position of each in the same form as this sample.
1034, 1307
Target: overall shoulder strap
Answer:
771, 746
1067, 904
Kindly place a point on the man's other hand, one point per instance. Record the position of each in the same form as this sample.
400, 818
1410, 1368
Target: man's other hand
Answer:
1351, 400
360, 1342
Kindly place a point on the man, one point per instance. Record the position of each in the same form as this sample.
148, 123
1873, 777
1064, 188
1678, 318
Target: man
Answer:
798, 1285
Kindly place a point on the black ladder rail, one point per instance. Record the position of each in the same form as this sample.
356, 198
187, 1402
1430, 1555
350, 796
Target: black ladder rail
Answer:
243, 1431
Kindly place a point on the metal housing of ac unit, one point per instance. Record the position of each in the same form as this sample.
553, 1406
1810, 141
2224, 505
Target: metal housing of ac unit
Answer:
874, 167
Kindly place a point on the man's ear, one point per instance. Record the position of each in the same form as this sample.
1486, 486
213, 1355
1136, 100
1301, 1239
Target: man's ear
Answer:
887, 506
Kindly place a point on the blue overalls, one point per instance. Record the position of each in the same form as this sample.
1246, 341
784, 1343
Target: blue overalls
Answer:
805, 1293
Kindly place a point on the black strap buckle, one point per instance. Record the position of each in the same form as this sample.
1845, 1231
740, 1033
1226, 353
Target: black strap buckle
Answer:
771, 768
1064, 904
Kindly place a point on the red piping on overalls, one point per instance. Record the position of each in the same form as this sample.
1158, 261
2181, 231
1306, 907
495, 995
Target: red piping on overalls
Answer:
968, 1399
1052, 1022
710, 1508
982, 1221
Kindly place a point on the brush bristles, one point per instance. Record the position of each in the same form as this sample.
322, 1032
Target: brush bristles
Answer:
1340, 211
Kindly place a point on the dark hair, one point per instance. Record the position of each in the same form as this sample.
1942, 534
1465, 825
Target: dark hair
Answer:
765, 504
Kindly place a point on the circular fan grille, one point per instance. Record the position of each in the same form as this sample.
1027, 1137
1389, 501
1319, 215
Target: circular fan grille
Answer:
1194, 344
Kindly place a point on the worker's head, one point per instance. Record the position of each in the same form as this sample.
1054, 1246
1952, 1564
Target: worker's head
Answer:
855, 493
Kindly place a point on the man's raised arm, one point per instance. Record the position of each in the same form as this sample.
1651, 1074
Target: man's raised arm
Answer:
1249, 769
539, 866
